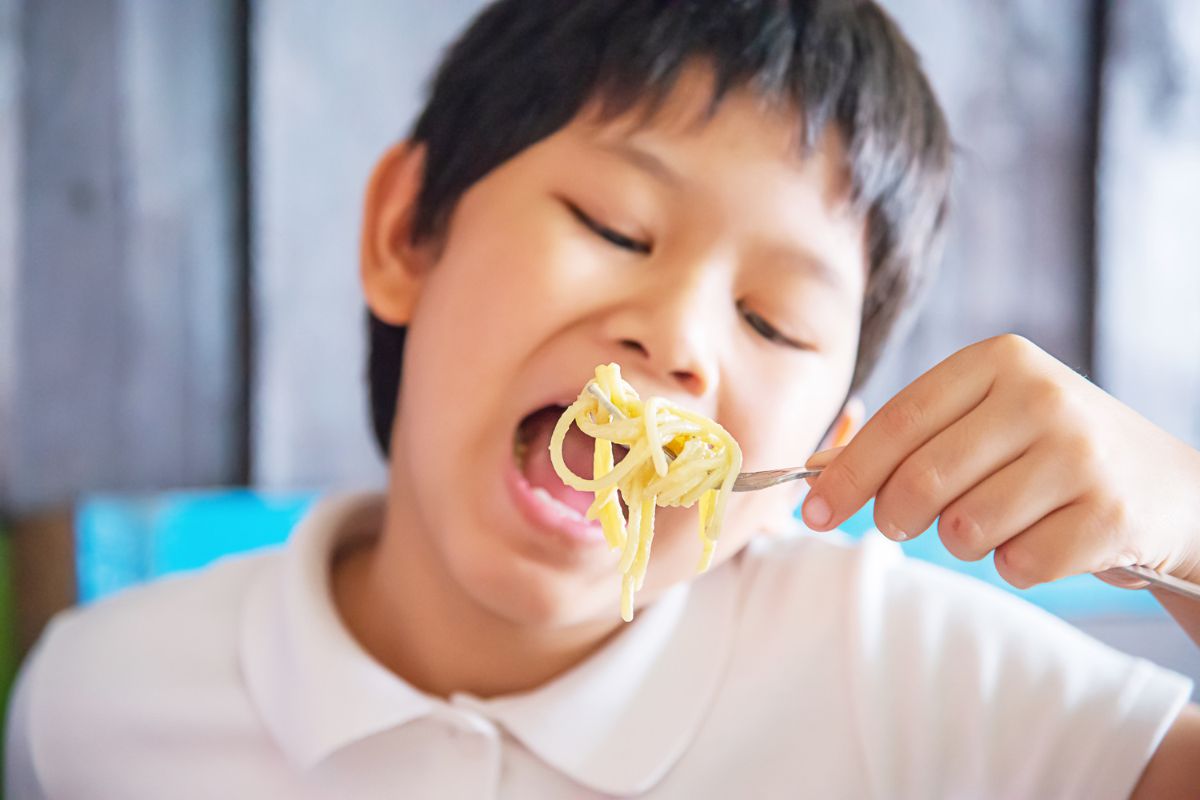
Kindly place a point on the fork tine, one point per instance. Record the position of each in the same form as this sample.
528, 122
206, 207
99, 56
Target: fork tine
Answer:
598, 393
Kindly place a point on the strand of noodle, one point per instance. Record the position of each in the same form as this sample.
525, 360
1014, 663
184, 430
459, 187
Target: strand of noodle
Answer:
606, 507
609, 513
634, 535
627, 597
636, 454
734, 454
646, 538
653, 436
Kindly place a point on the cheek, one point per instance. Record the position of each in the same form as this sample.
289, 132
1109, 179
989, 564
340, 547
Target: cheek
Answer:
782, 427
505, 259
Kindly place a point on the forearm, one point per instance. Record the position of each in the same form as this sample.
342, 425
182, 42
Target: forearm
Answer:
1174, 770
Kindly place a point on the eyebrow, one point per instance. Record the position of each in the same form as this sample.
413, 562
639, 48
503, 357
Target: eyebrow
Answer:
645, 161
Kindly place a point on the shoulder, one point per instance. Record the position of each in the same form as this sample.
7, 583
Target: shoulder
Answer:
980, 669
156, 660
186, 622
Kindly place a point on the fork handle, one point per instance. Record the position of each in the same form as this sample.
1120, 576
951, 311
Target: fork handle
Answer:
753, 481
1161, 580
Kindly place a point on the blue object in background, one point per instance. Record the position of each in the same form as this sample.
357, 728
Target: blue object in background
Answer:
1079, 596
123, 541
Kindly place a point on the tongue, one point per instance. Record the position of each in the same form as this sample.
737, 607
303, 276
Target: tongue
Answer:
577, 452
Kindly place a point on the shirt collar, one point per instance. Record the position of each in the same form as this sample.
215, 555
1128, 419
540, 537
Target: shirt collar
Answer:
315, 688
619, 721
616, 723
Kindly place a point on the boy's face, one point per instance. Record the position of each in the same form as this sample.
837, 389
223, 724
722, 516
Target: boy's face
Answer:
733, 286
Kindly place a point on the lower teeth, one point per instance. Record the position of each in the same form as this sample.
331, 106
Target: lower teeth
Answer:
561, 508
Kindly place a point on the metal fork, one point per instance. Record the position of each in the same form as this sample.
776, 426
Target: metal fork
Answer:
753, 481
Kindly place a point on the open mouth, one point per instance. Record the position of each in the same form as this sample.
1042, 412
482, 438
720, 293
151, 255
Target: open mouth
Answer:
531, 451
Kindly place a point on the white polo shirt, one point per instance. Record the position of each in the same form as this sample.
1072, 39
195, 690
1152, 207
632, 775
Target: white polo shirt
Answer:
801, 667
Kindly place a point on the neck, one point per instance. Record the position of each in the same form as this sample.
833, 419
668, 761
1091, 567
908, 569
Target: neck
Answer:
399, 602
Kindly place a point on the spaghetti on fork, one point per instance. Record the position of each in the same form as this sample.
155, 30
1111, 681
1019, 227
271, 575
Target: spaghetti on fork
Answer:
706, 461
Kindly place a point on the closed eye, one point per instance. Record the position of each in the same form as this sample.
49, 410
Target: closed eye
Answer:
608, 234
766, 330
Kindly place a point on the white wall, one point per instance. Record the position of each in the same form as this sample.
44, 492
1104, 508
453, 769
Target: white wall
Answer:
335, 84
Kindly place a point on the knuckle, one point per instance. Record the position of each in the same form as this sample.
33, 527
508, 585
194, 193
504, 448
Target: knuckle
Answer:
1048, 400
848, 475
1082, 456
921, 484
901, 419
1111, 517
1012, 348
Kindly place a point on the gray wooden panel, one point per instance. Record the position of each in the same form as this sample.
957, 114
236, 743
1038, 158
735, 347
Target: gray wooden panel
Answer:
125, 377
1148, 328
1013, 78
69, 252
335, 85
180, 262
10, 123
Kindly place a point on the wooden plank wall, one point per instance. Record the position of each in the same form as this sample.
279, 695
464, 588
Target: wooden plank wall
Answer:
126, 371
10, 125
125, 189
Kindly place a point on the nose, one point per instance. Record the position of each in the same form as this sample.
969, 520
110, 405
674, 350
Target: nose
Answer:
670, 335
692, 379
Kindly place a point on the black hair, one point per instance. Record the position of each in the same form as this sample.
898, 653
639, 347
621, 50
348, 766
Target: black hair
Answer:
525, 68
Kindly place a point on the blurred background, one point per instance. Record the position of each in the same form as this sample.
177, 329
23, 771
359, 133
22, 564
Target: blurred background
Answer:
180, 189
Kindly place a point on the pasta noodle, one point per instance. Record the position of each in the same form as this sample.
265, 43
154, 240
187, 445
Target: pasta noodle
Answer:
706, 463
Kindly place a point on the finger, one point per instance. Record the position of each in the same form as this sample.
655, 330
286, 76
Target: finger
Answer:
1073, 540
985, 441
1121, 580
1012, 500
824, 458
820, 460
911, 418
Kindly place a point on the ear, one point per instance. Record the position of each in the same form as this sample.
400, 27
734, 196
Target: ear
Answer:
391, 267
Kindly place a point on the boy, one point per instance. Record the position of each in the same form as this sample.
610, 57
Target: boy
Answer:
734, 200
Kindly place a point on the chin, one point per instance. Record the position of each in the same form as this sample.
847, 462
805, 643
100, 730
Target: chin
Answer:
530, 594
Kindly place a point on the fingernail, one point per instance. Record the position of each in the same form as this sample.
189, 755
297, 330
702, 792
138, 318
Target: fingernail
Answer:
899, 536
817, 512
